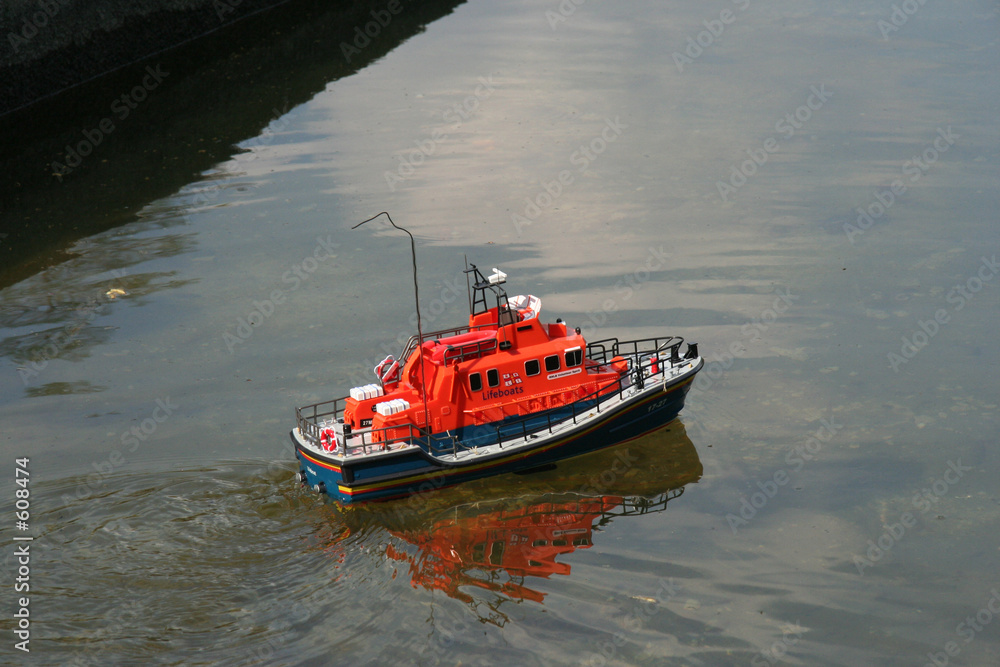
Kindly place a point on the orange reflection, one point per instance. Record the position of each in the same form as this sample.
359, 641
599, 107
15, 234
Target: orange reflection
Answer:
494, 534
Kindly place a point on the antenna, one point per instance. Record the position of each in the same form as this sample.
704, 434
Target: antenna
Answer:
468, 289
420, 333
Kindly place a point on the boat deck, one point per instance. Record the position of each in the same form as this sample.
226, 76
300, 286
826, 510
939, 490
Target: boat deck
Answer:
511, 437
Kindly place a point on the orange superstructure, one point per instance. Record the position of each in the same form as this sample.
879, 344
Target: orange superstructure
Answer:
505, 392
505, 363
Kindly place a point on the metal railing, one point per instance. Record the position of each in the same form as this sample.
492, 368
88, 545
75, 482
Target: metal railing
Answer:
313, 419
310, 417
642, 366
643, 347
522, 427
471, 350
414, 341
636, 505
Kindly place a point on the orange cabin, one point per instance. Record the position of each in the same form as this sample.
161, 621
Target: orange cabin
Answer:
484, 374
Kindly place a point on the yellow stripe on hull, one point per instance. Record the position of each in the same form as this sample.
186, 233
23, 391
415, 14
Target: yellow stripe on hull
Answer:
412, 480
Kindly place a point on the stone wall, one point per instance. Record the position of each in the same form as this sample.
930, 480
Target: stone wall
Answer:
49, 46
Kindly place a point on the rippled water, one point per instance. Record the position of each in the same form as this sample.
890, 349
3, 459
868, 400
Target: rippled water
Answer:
820, 501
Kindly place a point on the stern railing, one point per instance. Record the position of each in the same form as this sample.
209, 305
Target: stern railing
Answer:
312, 420
311, 417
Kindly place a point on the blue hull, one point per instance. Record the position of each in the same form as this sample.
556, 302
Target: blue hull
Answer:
413, 471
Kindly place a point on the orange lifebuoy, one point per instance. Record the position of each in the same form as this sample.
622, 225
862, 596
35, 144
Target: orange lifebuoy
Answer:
328, 439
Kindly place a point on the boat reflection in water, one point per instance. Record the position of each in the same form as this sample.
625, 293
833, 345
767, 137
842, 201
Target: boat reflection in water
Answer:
496, 533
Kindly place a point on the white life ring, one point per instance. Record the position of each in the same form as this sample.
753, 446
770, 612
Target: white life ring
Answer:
328, 439
391, 373
380, 369
527, 305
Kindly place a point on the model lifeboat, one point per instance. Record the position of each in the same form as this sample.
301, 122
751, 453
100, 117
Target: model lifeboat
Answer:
503, 393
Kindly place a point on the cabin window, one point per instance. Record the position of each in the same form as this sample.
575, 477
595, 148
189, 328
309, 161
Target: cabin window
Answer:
493, 377
475, 381
552, 362
496, 553
574, 357
531, 367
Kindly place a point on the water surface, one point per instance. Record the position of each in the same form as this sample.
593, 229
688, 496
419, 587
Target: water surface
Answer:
585, 162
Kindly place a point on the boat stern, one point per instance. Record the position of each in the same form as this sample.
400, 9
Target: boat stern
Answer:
322, 474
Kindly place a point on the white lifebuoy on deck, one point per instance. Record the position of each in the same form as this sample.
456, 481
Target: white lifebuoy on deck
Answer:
529, 306
391, 373
380, 369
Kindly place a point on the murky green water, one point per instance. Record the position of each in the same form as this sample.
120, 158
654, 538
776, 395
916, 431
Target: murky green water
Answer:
822, 502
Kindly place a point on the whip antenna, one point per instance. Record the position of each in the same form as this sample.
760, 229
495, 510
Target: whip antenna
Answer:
420, 333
